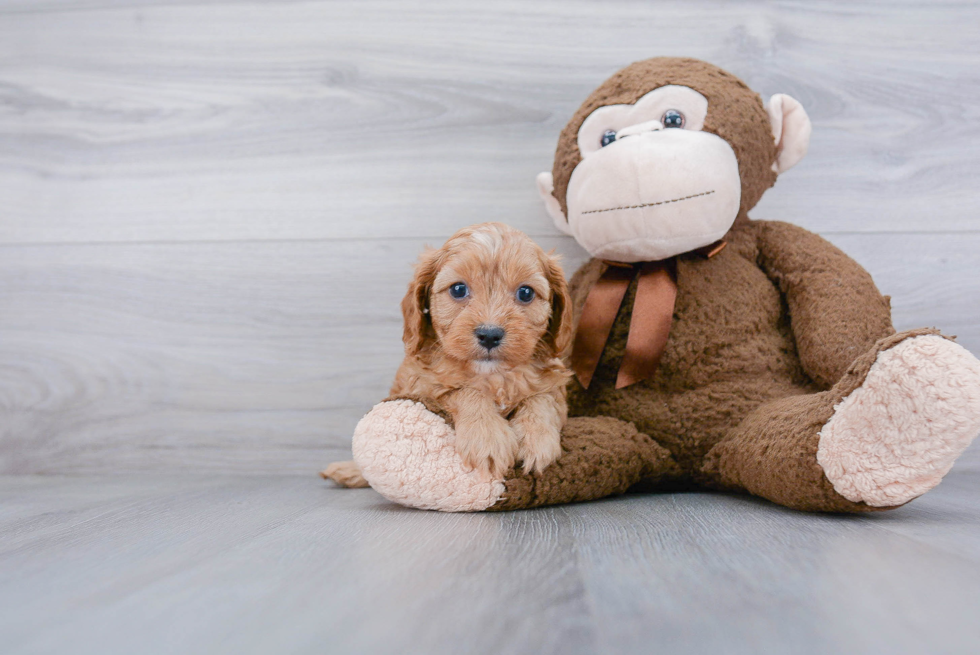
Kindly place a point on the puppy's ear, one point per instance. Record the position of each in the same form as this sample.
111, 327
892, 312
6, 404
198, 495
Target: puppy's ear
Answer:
559, 335
415, 304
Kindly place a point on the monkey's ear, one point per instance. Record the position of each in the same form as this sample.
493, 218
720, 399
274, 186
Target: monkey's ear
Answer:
415, 310
791, 130
546, 187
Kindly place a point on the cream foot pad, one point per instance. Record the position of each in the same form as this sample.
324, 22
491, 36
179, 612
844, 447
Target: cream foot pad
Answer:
895, 437
407, 454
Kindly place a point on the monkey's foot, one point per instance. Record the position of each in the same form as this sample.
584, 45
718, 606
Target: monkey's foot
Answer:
895, 437
408, 455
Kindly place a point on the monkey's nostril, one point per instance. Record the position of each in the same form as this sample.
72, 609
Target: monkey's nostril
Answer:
489, 336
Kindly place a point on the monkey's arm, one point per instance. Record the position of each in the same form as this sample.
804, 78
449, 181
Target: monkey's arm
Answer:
837, 312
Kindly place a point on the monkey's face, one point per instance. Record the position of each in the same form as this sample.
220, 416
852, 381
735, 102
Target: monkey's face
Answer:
646, 170
651, 184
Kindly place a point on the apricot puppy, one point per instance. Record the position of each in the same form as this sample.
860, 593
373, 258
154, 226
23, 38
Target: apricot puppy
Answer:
488, 320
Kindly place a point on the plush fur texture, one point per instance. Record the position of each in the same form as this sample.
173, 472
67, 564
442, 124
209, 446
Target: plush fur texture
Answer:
409, 456
406, 449
758, 427
685, 182
782, 377
735, 113
896, 436
601, 456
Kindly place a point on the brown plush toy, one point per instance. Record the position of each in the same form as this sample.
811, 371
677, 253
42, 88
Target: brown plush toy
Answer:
711, 351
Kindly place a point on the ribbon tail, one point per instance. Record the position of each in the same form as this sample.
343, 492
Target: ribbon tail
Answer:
598, 316
653, 314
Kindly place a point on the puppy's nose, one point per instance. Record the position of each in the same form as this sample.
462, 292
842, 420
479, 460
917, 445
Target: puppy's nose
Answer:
489, 336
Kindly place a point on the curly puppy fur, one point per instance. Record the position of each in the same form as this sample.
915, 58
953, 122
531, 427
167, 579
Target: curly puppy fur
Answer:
507, 403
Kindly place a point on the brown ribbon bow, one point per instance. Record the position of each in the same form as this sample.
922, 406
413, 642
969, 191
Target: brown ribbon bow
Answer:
650, 322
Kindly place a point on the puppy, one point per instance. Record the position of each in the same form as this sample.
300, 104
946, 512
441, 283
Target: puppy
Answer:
488, 321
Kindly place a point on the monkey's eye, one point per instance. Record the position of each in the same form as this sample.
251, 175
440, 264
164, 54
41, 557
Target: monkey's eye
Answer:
525, 294
672, 118
459, 290
608, 137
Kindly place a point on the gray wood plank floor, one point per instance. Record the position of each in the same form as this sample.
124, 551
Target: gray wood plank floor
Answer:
170, 564
207, 215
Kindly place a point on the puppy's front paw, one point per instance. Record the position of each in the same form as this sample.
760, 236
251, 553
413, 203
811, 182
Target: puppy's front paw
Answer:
346, 474
540, 443
487, 445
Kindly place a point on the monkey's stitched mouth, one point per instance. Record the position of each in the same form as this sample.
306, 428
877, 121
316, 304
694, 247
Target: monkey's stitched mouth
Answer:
649, 204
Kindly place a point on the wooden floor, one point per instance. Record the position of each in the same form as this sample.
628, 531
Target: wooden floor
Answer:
171, 564
207, 215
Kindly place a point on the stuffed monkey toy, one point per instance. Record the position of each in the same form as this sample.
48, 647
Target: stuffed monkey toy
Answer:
711, 351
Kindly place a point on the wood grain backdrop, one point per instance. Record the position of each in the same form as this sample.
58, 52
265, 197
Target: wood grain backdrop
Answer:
208, 210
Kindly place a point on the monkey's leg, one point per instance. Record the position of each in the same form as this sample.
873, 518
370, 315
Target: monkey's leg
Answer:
886, 433
601, 456
406, 452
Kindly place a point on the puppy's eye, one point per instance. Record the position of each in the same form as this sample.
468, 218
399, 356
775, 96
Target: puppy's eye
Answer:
672, 118
607, 137
525, 295
459, 290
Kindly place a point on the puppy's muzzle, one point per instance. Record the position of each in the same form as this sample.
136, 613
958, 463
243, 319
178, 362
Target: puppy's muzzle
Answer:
489, 336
